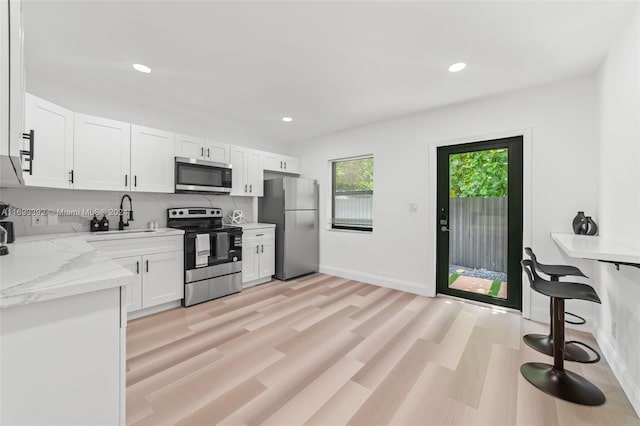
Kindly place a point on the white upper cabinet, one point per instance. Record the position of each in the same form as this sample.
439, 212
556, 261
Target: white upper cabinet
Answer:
247, 174
200, 149
280, 163
53, 129
152, 160
189, 147
217, 152
101, 153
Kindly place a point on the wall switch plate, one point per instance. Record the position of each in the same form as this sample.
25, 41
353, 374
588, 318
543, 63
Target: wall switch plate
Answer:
413, 207
38, 220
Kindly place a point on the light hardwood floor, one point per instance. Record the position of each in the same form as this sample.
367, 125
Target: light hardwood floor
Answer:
323, 350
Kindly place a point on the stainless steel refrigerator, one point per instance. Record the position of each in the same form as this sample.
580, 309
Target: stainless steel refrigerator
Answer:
292, 204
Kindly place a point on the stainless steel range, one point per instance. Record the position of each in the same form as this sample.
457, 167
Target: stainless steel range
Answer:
212, 253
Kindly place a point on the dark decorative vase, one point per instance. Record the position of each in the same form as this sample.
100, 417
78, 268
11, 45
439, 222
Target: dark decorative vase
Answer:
580, 225
592, 225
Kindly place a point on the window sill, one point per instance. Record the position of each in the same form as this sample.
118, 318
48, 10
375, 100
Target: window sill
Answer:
351, 231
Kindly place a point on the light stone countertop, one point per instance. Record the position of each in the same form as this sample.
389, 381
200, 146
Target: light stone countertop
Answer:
46, 267
256, 225
596, 248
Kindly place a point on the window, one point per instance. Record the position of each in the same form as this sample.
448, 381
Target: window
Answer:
352, 194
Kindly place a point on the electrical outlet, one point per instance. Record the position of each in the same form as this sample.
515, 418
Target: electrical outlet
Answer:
613, 329
38, 220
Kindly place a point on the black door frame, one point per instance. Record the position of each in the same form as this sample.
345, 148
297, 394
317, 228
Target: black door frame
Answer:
515, 222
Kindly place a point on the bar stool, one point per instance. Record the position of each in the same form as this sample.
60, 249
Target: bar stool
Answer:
554, 379
544, 343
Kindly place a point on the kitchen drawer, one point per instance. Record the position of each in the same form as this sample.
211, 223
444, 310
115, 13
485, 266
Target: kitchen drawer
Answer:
262, 234
140, 246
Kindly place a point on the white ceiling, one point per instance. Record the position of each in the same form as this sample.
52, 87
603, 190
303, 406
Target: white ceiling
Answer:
331, 65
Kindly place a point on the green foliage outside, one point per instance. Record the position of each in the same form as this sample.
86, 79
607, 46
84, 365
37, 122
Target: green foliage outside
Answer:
354, 175
478, 174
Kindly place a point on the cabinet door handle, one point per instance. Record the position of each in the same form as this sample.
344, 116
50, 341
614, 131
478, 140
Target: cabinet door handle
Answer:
147, 266
245, 187
126, 180
250, 188
135, 180
137, 266
208, 153
257, 249
71, 176
285, 165
281, 164
259, 235
261, 248
201, 151
29, 153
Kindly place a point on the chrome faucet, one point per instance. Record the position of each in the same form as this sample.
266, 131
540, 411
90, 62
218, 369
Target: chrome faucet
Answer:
121, 224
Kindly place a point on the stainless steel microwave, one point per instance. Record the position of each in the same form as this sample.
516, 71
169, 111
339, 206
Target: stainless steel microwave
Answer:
202, 177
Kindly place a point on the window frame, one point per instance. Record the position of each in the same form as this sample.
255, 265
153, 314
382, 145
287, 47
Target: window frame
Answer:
334, 226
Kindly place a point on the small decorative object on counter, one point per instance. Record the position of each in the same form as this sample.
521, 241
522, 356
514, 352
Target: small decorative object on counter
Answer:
580, 225
236, 217
94, 225
592, 225
103, 224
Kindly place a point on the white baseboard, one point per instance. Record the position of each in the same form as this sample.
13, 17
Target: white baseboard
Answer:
619, 369
408, 286
153, 310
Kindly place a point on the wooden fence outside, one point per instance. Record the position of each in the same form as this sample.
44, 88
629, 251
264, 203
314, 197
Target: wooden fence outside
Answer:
478, 237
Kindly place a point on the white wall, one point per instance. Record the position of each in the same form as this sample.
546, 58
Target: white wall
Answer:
146, 207
562, 122
619, 205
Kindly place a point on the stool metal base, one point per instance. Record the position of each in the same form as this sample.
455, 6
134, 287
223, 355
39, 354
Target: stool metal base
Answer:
544, 344
562, 384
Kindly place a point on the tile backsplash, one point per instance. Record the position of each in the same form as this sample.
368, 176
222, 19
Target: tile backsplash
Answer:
73, 203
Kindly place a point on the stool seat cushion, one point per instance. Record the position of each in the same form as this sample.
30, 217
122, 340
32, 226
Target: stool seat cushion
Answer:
555, 271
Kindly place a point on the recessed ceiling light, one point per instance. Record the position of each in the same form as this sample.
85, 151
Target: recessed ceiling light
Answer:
142, 68
287, 119
457, 67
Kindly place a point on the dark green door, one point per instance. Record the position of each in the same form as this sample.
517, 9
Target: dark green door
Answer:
479, 221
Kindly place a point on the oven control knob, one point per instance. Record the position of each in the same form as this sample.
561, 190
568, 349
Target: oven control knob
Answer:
235, 258
213, 212
174, 213
181, 212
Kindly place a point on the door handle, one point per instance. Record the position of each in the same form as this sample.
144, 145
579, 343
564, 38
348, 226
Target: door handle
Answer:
135, 180
245, 187
257, 249
71, 176
445, 229
208, 153
147, 266
137, 266
281, 164
285, 165
250, 188
261, 248
126, 180
201, 151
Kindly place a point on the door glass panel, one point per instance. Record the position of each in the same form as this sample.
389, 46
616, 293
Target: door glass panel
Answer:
478, 222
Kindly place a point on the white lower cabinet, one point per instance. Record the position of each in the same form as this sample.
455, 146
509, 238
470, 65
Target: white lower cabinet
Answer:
157, 264
258, 256
134, 291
